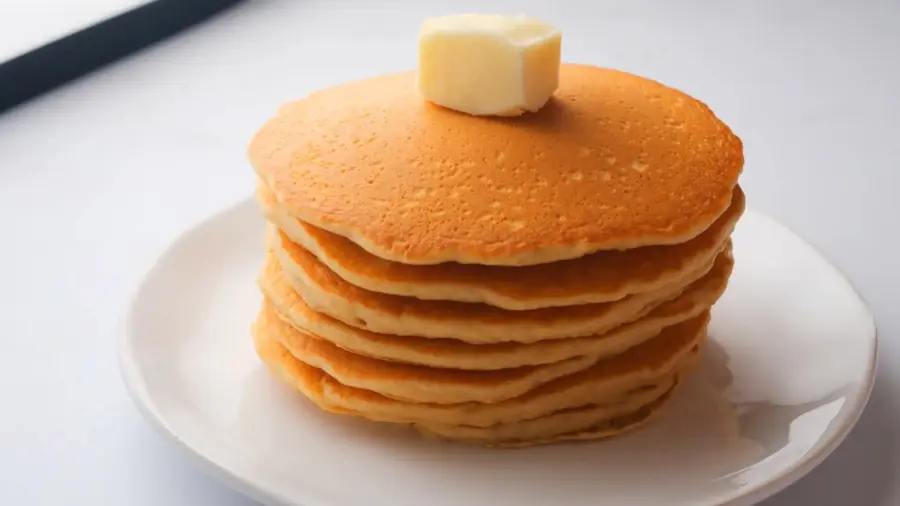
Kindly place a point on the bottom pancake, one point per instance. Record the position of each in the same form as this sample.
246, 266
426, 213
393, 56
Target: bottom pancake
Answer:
607, 381
593, 422
615, 416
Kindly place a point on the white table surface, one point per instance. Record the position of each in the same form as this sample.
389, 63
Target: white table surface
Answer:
97, 178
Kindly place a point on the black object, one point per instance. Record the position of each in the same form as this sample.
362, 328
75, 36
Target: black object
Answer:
70, 57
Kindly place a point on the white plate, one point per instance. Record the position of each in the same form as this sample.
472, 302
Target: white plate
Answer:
790, 368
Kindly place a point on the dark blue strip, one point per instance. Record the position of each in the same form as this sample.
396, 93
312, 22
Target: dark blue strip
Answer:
73, 56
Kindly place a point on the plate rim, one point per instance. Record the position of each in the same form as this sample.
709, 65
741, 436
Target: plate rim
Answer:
135, 386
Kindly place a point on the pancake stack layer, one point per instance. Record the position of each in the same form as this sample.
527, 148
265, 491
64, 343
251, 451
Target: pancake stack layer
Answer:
504, 282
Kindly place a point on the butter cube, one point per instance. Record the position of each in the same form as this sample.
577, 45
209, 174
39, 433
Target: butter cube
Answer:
488, 65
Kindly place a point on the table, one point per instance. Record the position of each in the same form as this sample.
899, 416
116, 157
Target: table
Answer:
97, 177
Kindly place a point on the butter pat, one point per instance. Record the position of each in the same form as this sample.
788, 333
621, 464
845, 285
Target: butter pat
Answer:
488, 65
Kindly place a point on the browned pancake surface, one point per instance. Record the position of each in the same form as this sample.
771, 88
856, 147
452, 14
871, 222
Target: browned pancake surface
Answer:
446, 386
598, 277
451, 353
606, 381
612, 161
398, 307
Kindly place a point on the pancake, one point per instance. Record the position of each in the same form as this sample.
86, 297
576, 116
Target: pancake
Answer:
612, 161
607, 379
596, 421
412, 382
450, 353
328, 293
600, 277
592, 421
617, 426
417, 383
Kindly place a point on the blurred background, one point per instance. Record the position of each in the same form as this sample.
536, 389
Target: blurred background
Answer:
124, 121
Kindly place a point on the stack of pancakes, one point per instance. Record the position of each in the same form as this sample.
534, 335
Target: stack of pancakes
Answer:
499, 281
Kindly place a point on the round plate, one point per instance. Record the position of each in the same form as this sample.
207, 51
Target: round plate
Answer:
788, 371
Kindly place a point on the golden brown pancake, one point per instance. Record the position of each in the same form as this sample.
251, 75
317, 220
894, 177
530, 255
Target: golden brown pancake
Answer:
454, 354
613, 161
328, 293
597, 421
606, 380
599, 277
417, 383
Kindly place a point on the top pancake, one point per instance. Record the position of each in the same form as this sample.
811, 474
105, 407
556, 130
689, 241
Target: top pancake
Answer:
613, 161
603, 276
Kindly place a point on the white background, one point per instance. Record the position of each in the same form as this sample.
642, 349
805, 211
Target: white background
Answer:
97, 178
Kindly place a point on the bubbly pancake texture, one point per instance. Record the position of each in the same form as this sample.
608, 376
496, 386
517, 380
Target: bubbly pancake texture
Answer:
599, 277
613, 161
328, 293
455, 354
606, 380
